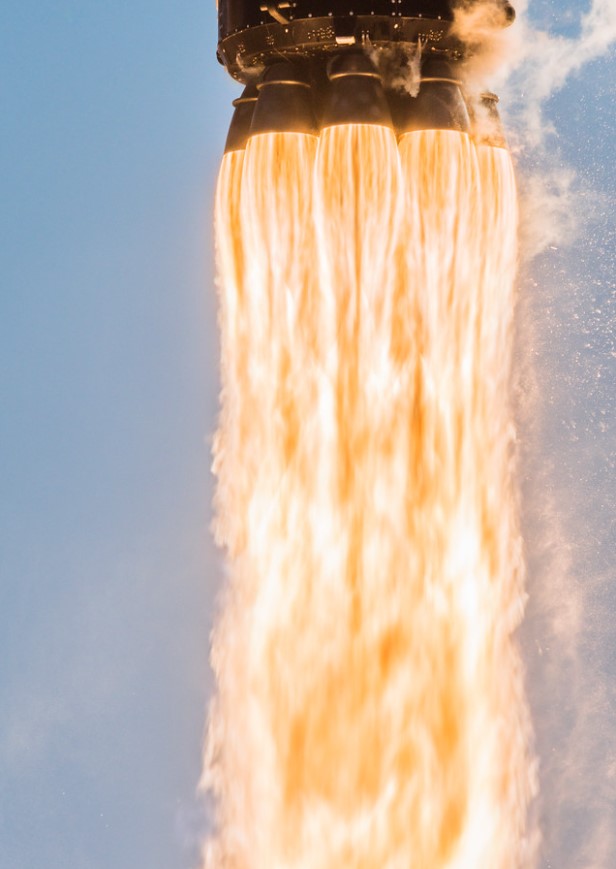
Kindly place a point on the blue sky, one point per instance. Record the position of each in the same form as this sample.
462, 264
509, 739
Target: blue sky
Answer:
114, 117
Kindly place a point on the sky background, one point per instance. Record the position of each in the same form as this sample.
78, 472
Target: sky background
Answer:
114, 117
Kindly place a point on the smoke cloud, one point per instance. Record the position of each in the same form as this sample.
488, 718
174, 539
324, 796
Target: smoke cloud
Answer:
400, 68
527, 66
566, 627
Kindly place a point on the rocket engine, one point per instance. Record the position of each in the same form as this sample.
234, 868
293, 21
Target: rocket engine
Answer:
309, 64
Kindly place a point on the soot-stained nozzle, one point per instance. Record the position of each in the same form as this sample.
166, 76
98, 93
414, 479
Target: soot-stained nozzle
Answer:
241, 120
355, 94
487, 124
284, 104
439, 104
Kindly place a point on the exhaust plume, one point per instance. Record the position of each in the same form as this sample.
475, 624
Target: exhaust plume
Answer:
370, 707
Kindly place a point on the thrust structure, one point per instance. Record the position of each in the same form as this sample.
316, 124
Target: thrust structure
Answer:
313, 63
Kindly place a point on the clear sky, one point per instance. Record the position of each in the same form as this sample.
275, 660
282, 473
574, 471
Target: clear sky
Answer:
114, 116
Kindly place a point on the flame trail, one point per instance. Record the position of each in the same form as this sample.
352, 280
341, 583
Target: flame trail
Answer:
370, 709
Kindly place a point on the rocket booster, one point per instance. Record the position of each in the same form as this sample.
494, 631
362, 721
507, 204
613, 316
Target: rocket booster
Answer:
307, 64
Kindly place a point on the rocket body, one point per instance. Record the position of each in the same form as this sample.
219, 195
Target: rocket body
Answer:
347, 46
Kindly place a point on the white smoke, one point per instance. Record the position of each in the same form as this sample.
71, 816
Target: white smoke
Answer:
543, 63
527, 66
565, 631
549, 214
553, 198
399, 67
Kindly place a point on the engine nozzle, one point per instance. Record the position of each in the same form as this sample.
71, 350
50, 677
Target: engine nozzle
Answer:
355, 94
284, 104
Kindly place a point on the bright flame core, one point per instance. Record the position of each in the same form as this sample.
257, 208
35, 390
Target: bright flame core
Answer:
370, 710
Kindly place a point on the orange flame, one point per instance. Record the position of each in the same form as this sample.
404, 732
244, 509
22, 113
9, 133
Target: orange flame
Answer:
370, 709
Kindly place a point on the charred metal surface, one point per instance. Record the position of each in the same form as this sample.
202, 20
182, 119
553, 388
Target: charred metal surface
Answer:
255, 33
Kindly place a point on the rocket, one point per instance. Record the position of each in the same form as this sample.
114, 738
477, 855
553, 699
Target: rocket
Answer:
308, 64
